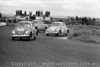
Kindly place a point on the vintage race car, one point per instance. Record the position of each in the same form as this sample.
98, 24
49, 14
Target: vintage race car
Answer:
40, 25
57, 28
24, 29
2, 24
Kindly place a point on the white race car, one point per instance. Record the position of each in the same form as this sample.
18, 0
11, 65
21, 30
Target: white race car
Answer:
57, 28
24, 29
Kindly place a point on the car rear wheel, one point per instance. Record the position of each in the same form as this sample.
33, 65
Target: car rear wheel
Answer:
45, 29
66, 34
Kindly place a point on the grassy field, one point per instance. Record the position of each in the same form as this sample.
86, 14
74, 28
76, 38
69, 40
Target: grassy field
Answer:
90, 34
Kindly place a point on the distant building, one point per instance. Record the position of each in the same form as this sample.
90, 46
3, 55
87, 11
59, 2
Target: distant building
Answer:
40, 16
47, 14
18, 12
20, 15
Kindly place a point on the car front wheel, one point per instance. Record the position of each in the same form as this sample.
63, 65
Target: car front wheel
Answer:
47, 34
30, 36
66, 34
35, 38
13, 38
59, 33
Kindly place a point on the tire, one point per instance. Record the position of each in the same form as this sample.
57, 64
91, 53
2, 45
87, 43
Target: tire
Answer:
36, 28
58, 33
35, 38
45, 29
67, 31
29, 38
20, 38
66, 34
13, 38
47, 34
37, 32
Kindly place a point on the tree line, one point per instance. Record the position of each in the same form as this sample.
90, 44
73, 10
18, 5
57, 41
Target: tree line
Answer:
77, 20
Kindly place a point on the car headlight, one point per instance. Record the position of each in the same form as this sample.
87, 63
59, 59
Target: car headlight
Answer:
27, 32
13, 32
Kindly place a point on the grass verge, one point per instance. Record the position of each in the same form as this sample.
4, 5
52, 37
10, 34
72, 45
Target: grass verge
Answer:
90, 34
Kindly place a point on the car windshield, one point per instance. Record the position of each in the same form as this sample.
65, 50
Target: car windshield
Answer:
23, 24
55, 24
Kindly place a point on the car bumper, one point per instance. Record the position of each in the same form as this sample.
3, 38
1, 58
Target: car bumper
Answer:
20, 35
41, 29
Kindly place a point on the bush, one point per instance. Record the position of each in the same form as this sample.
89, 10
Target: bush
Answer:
85, 34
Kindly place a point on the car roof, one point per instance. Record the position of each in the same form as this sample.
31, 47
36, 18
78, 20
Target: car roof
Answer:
25, 22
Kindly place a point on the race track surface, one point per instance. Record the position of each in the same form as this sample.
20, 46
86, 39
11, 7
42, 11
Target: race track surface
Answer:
45, 49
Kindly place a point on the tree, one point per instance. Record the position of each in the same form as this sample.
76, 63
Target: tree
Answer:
30, 13
25, 13
0, 15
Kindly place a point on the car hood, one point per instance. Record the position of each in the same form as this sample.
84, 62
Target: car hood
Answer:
21, 28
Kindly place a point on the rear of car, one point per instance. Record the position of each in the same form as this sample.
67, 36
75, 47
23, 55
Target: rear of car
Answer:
40, 25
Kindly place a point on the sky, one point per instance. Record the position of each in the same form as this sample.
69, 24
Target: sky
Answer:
89, 8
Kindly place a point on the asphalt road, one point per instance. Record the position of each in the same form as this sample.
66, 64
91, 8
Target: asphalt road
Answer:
45, 49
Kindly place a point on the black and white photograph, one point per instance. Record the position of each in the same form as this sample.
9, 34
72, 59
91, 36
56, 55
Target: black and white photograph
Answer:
49, 33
